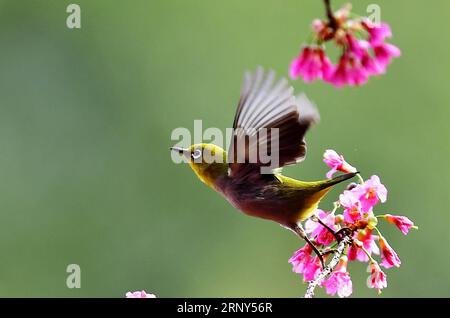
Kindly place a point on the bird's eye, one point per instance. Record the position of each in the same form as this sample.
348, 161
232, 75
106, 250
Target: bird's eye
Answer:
196, 154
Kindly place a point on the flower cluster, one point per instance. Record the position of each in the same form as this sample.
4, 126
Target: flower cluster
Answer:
357, 206
364, 52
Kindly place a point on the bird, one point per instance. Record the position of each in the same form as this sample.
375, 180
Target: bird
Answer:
264, 105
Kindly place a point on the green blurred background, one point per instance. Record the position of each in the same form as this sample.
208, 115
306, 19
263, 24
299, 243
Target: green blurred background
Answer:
85, 122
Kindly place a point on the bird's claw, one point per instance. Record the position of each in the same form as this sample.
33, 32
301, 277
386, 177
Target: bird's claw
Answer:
322, 262
324, 253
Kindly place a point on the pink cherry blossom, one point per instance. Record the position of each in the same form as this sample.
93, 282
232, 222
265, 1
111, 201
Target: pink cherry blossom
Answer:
368, 65
353, 214
372, 66
352, 206
139, 294
303, 263
301, 259
378, 32
311, 64
370, 193
365, 52
336, 162
377, 278
341, 74
318, 231
357, 47
349, 71
402, 222
358, 50
388, 255
339, 281
368, 241
384, 53
356, 64
312, 269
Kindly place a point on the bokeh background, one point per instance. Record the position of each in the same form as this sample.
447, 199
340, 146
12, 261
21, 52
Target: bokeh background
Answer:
85, 123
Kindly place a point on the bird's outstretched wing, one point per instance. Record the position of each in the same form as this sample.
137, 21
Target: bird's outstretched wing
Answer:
267, 104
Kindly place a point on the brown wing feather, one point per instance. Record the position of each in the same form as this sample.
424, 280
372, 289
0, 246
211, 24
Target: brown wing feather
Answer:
263, 104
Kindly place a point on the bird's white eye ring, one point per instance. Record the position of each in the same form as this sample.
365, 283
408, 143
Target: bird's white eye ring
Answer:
196, 154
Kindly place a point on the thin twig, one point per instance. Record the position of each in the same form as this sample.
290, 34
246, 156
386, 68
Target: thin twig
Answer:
329, 268
331, 19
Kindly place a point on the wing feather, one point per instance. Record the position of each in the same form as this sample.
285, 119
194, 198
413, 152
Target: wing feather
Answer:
263, 104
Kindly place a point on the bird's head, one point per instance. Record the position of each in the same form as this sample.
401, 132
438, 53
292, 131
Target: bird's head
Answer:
207, 160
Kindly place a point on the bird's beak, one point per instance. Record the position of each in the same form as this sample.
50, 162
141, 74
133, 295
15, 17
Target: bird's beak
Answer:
180, 150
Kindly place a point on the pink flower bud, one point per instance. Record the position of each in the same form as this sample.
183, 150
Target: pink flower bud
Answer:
402, 222
317, 26
388, 255
338, 219
372, 222
377, 278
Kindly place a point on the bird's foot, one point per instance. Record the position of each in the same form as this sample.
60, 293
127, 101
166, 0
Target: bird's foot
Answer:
301, 233
319, 254
338, 235
329, 229
325, 253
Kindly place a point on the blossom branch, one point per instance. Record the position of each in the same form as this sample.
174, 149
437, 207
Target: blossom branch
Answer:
329, 268
365, 52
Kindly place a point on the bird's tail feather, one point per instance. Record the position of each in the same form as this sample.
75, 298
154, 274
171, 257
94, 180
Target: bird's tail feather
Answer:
331, 182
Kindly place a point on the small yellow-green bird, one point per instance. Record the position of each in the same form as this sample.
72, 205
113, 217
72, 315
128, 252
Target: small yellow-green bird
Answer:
272, 196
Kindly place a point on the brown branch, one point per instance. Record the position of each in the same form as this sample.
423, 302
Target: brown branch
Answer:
329, 268
330, 15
